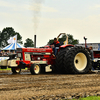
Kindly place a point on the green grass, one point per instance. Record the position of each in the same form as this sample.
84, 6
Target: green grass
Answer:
6, 69
89, 98
10, 69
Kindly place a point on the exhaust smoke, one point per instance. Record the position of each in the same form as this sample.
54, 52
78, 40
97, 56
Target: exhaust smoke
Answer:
36, 7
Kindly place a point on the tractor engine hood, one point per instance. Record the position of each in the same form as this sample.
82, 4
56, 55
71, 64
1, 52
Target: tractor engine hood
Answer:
37, 50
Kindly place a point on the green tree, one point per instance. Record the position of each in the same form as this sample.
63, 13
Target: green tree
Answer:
6, 34
71, 40
29, 43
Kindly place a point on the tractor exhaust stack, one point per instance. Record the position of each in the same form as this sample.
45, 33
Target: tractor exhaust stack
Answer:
34, 41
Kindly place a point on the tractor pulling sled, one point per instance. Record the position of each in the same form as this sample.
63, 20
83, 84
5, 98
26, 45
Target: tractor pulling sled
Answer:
69, 59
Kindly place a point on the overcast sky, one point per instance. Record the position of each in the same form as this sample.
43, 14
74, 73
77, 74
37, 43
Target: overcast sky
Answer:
48, 18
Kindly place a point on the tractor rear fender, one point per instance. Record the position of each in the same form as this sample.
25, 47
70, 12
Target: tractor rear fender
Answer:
68, 45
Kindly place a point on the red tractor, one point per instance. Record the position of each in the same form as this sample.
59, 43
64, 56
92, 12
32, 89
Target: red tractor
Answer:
69, 59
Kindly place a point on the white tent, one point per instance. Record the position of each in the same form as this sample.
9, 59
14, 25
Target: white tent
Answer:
13, 46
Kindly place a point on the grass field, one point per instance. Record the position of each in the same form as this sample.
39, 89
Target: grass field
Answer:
10, 69
6, 69
89, 98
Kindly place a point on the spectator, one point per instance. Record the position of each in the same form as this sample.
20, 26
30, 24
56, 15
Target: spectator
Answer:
1, 52
13, 52
4, 53
91, 52
8, 52
92, 56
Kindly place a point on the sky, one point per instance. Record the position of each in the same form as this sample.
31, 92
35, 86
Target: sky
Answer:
48, 18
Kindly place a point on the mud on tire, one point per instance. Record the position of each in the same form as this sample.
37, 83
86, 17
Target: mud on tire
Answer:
77, 60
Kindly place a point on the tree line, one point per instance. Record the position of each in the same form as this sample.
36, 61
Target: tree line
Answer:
71, 40
8, 32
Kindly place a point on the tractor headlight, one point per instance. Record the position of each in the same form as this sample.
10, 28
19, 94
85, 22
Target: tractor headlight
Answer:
19, 55
38, 58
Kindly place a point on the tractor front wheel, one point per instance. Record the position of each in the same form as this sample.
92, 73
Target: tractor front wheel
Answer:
35, 69
16, 70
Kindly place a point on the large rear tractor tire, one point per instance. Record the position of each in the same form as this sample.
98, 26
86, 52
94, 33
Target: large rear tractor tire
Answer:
59, 65
77, 61
35, 69
16, 70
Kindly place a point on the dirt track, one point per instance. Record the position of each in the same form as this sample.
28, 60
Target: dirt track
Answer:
47, 86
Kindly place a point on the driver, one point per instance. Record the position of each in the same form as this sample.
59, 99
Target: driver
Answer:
56, 45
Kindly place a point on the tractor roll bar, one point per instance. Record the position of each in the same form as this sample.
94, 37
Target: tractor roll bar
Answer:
65, 42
